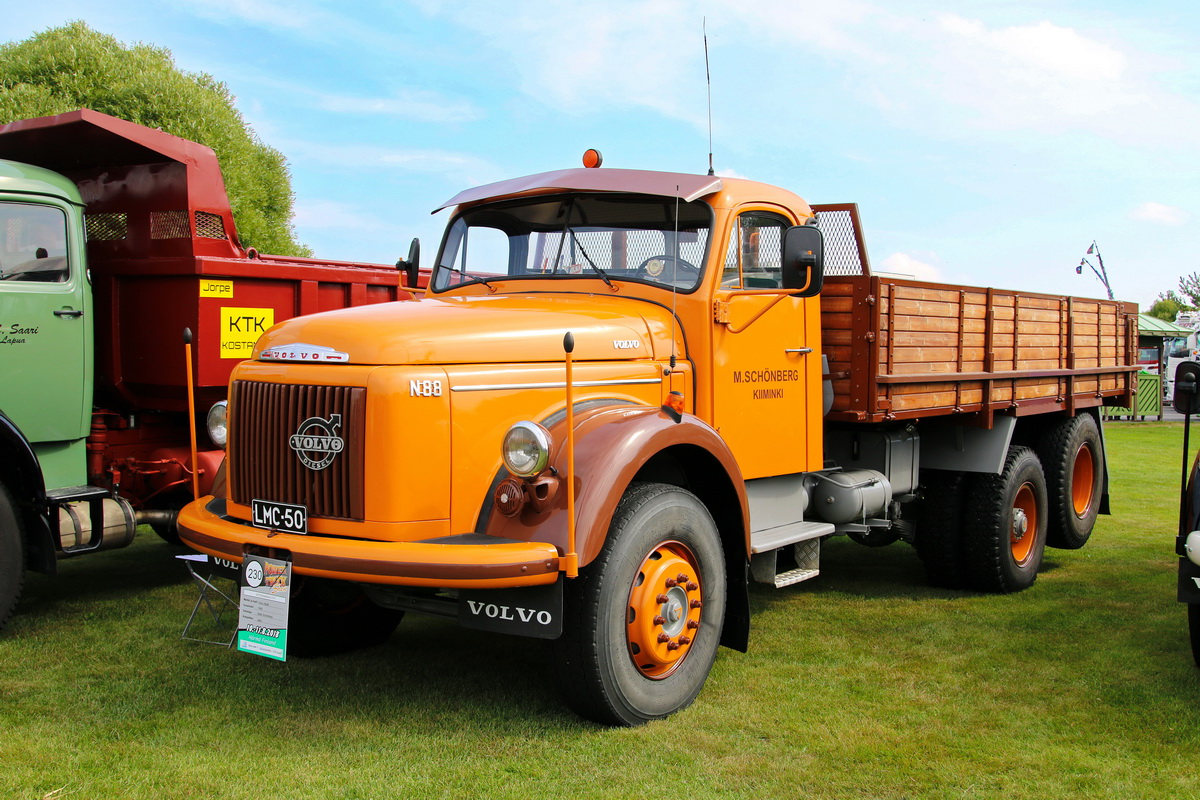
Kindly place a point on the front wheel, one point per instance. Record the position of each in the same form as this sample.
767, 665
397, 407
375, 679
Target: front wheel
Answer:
643, 620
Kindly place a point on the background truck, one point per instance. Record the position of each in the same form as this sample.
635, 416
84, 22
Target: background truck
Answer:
625, 395
113, 239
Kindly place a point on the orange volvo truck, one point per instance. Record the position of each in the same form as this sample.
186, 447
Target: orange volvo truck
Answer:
627, 394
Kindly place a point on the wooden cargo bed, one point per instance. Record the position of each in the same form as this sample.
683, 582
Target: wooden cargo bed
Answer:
901, 349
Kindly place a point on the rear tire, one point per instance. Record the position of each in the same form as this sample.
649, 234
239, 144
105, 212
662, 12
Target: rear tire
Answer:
1006, 525
638, 642
12, 556
939, 534
1073, 457
328, 617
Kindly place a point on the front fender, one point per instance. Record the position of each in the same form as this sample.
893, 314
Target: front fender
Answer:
612, 444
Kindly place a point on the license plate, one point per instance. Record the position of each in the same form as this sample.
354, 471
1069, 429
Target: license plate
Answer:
283, 517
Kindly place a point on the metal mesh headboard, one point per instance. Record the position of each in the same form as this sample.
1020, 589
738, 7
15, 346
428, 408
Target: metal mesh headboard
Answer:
845, 253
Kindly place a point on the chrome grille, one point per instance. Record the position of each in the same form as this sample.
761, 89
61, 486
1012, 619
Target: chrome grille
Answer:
264, 417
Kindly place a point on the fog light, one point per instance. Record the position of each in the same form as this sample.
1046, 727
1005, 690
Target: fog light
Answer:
217, 429
526, 449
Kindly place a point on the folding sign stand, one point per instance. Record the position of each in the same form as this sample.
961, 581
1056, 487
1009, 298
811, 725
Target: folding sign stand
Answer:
220, 610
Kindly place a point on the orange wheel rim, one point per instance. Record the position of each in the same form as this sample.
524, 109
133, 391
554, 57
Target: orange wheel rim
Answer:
665, 607
1024, 523
1083, 480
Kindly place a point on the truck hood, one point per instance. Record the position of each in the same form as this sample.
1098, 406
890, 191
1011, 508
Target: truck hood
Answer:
475, 330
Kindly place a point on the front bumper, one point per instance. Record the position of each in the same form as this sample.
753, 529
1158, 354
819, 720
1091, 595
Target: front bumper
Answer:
470, 561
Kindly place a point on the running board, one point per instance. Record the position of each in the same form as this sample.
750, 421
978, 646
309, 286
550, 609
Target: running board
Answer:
775, 538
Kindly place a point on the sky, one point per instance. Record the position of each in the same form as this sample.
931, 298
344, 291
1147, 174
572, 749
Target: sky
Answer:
986, 143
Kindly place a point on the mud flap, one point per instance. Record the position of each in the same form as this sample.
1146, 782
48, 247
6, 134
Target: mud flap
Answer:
535, 611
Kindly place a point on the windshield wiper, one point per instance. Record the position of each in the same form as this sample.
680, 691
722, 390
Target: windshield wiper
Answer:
603, 275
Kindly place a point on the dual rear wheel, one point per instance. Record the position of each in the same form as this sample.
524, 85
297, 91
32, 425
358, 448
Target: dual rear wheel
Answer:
989, 532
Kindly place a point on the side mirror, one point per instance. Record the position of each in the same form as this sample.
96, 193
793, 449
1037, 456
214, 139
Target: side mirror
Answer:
411, 266
803, 260
1186, 398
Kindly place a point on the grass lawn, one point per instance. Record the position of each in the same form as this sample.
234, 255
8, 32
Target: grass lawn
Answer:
862, 683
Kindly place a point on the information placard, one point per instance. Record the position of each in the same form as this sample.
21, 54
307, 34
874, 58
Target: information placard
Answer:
266, 590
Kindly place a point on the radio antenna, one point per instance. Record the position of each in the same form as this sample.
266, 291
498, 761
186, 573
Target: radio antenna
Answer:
708, 81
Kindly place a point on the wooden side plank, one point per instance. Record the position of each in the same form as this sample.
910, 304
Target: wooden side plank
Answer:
895, 348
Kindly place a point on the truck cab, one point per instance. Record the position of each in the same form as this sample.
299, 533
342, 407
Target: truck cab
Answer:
46, 331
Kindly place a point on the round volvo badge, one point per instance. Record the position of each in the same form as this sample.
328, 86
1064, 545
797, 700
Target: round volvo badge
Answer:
316, 441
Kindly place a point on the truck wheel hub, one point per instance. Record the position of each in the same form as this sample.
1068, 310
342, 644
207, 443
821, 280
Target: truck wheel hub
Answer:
1020, 523
664, 611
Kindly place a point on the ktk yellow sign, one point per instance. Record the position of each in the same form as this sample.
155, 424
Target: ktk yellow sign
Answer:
240, 329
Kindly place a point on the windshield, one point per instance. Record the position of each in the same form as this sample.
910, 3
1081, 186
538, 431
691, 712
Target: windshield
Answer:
595, 236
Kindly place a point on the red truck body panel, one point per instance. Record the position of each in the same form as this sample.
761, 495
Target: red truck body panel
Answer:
164, 255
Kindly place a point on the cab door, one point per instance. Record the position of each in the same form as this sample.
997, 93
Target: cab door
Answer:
45, 321
766, 356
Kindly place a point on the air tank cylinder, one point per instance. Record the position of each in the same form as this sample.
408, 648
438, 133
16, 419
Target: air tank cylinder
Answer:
853, 496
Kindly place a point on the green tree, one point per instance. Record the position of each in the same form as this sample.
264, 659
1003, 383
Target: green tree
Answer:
1189, 285
71, 67
1167, 305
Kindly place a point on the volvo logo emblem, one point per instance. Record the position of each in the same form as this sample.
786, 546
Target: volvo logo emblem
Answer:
316, 441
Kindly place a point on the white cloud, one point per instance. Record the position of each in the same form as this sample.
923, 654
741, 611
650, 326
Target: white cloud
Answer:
1039, 76
909, 267
1159, 213
625, 53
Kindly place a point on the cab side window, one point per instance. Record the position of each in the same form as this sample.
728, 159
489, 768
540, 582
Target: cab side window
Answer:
754, 257
33, 243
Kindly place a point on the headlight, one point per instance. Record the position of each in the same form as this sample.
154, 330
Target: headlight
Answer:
526, 449
216, 424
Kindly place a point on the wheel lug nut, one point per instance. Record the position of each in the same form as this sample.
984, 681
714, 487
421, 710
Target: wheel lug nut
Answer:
685, 640
660, 620
662, 598
681, 578
692, 624
673, 646
671, 583
695, 604
692, 586
663, 638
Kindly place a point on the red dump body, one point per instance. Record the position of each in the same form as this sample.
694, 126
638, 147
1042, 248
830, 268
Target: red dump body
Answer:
164, 255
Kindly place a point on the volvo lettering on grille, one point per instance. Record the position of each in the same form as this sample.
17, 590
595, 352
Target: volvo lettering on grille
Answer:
316, 441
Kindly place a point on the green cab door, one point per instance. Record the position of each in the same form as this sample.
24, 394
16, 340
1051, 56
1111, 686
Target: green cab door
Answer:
45, 324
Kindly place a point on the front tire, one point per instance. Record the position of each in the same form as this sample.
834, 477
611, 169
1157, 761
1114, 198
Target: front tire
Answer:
1006, 525
643, 620
12, 556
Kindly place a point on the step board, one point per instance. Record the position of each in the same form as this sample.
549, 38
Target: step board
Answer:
775, 538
